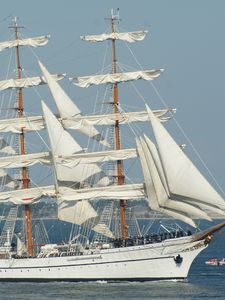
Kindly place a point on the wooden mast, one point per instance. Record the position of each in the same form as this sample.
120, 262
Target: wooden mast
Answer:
25, 177
120, 176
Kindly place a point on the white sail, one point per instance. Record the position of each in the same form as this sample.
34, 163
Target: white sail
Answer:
26, 160
78, 213
67, 108
160, 192
35, 123
27, 196
21, 247
63, 144
30, 195
26, 82
33, 42
182, 176
150, 191
96, 157
160, 195
157, 163
155, 193
129, 37
210, 209
103, 230
6, 180
16, 125
115, 192
110, 119
5, 147
87, 81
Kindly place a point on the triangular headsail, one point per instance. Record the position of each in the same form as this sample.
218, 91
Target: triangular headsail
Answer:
183, 177
156, 194
167, 200
172, 181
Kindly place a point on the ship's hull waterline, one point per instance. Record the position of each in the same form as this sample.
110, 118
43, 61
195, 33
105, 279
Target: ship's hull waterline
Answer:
138, 263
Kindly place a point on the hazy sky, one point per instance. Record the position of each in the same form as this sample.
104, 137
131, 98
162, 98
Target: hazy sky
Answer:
186, 38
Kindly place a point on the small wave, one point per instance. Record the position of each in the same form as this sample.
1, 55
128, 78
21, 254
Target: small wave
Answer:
102, 281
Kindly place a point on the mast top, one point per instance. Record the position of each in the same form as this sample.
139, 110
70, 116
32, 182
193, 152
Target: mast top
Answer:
115, 15
15, 25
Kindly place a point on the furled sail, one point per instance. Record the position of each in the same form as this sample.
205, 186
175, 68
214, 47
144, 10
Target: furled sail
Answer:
27, 196
96, 157
26, 82
75, 209
114, 192
16, 125
33, 123
87, 81
67, 108
26, 160
33, 42
129, 37
110, 119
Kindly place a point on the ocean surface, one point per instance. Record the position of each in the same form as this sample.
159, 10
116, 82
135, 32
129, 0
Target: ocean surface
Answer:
204, 282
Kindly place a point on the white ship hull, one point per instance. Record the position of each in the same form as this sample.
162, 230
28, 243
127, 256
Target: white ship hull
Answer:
140, 263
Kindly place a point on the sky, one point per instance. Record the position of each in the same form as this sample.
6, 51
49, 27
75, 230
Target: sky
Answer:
186, 38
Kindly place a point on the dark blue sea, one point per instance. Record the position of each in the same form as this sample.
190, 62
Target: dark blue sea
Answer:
204, 282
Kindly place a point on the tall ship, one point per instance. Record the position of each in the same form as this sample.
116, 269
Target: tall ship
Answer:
89, 185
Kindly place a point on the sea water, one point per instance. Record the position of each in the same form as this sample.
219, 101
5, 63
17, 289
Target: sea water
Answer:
204, 282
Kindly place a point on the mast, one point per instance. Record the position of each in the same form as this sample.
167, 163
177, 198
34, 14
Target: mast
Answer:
25, 176
120, 176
